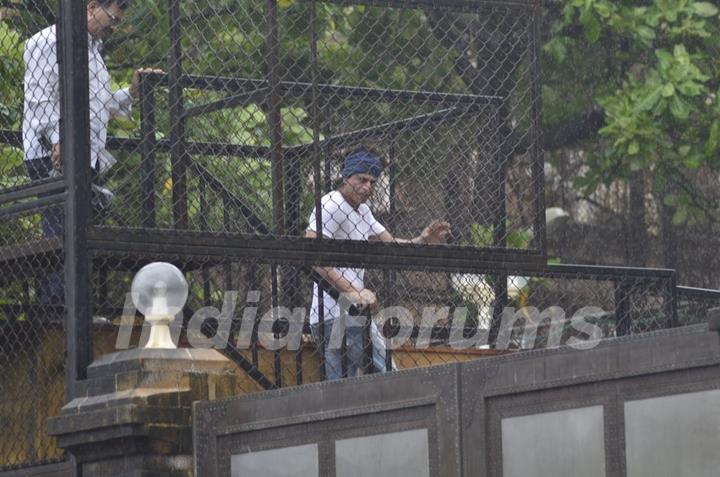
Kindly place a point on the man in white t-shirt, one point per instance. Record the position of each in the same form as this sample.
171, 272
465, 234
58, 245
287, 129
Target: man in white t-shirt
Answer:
346, 216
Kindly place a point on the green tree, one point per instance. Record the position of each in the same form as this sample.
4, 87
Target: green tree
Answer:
651, 68
662, 113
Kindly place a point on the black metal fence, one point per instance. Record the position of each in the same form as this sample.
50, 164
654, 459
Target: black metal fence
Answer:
693, 304
32, 339
256, 96
221, 161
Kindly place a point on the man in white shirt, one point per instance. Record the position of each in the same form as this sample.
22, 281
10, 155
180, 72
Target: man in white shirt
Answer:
41, 120
346, 216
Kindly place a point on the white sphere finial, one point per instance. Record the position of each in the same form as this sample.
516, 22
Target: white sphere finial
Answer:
159, 291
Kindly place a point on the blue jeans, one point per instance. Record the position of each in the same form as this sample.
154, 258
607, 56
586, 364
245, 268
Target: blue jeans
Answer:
51, 288
353, 333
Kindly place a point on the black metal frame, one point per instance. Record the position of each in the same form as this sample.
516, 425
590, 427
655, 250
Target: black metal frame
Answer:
75, 138
86, 240
88, 245
194, 250
285, 218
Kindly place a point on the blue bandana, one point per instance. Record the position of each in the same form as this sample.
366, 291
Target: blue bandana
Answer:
362, 162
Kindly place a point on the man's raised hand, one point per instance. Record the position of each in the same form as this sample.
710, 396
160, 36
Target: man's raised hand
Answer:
436, 232
135, 85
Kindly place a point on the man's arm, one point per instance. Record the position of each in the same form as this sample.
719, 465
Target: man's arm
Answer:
120, 104
122, 100
434, 233
42, 98
331, 275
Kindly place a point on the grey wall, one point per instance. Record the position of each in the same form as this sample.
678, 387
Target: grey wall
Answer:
685, 426
636, 406
406, 420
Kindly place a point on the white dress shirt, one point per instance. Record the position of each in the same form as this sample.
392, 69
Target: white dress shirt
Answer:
41, 121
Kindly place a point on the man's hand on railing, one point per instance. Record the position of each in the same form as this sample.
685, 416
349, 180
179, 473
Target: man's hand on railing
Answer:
363, 299
436, 232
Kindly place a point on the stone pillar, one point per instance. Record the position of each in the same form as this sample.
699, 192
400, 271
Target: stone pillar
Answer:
133, 415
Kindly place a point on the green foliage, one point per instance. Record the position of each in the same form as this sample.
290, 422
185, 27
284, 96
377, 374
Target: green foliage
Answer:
658, 88
11, 66
482, 236
12, 171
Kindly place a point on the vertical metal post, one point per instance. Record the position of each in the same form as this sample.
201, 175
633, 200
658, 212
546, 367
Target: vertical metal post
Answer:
102, 280
147, 149
293, 193
392, 170
290, 276
562, 239
388, 349
499, 225
75, 139
253, 284
671, 301
452, 201
321, 332
317, 173
345, 360
204, 206
274, 115
327, 151
389, 283
227, 268
390, 276
177, 127
539, 241
367, 365
277, 361
315, 113
622, 308
499, 178
299, 364
501, 299
204, 225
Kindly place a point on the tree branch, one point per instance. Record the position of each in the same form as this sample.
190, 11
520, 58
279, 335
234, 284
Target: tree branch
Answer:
612, 214
698, 200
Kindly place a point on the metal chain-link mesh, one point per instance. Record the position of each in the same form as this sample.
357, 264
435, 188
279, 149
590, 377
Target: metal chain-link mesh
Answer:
249, 125
32, 339
694, 304
236, 110
424, 317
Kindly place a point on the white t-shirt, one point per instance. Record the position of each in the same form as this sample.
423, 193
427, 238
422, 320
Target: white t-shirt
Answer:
341, 221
